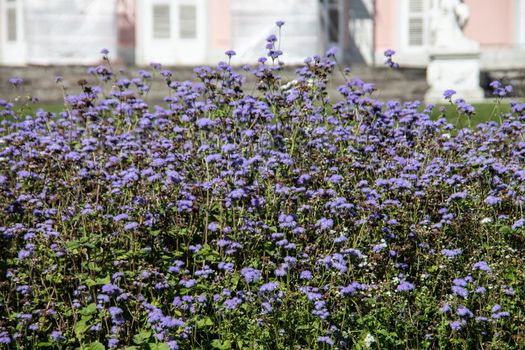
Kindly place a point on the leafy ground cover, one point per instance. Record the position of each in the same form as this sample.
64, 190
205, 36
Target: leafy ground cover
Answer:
268, 219
485, 112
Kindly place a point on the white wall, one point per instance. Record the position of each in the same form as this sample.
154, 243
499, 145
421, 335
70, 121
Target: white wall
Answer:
254, 20
174, 49
13, 46
69, 31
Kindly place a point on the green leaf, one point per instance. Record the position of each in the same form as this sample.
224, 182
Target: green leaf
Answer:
73, 244
102, 281
96, 346
45, 344
235, 280
159, 346
88, 310
81, 327
205, 322
505, 230
221, 345
90, 283
303, 327
206, 254
99, 281
141, 337
93, 267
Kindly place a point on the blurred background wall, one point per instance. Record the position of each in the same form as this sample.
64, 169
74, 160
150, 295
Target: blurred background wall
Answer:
191, 32
39, 39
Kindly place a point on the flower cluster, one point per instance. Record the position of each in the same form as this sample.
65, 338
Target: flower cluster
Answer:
262, 217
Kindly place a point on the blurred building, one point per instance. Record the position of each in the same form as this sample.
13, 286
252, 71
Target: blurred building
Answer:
56, 31
190, 32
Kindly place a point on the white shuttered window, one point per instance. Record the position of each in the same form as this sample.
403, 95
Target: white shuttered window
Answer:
188, 21
418, 23
161, 22
11, 24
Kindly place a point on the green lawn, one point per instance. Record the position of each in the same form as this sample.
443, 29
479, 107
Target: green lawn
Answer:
484, 112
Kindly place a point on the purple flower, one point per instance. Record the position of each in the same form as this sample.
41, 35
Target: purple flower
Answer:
496, 313
460, 282
120, 217
232, 303
482, 266
271, 38
451, 253
187, 283
104, 51
230, 53
22, 254
331, 52
491, 200
156, 66
213, 227
389, 53
405, 286
460, 291
519, 223
131, 226
269, 287
448, 94
379, 247
389, 62
326, 340
250, 274
457, 325
306, 275
112, 343
204, 123
4, 338
444, 308
324, 224
458, 195
279, 23
57, 336
237, 193
115, 311
481, 290
16, 82
463, 311
500, 315
111, 289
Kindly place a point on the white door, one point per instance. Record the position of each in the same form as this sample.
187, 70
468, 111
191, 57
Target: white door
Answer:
172, 31
361, 31
520, 23
12, 36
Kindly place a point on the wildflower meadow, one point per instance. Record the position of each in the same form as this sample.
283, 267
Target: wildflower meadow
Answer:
266, 216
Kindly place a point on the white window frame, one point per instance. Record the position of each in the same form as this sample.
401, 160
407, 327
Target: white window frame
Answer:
410, 55
519, 18
179, 20
12, 52
170, 20
172, 50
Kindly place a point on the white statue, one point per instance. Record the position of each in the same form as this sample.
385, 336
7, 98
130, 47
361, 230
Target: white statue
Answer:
449, 19
454, 59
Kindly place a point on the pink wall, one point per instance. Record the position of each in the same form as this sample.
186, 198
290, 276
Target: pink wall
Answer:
386, 24
491, 22
220, 24
126, 23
